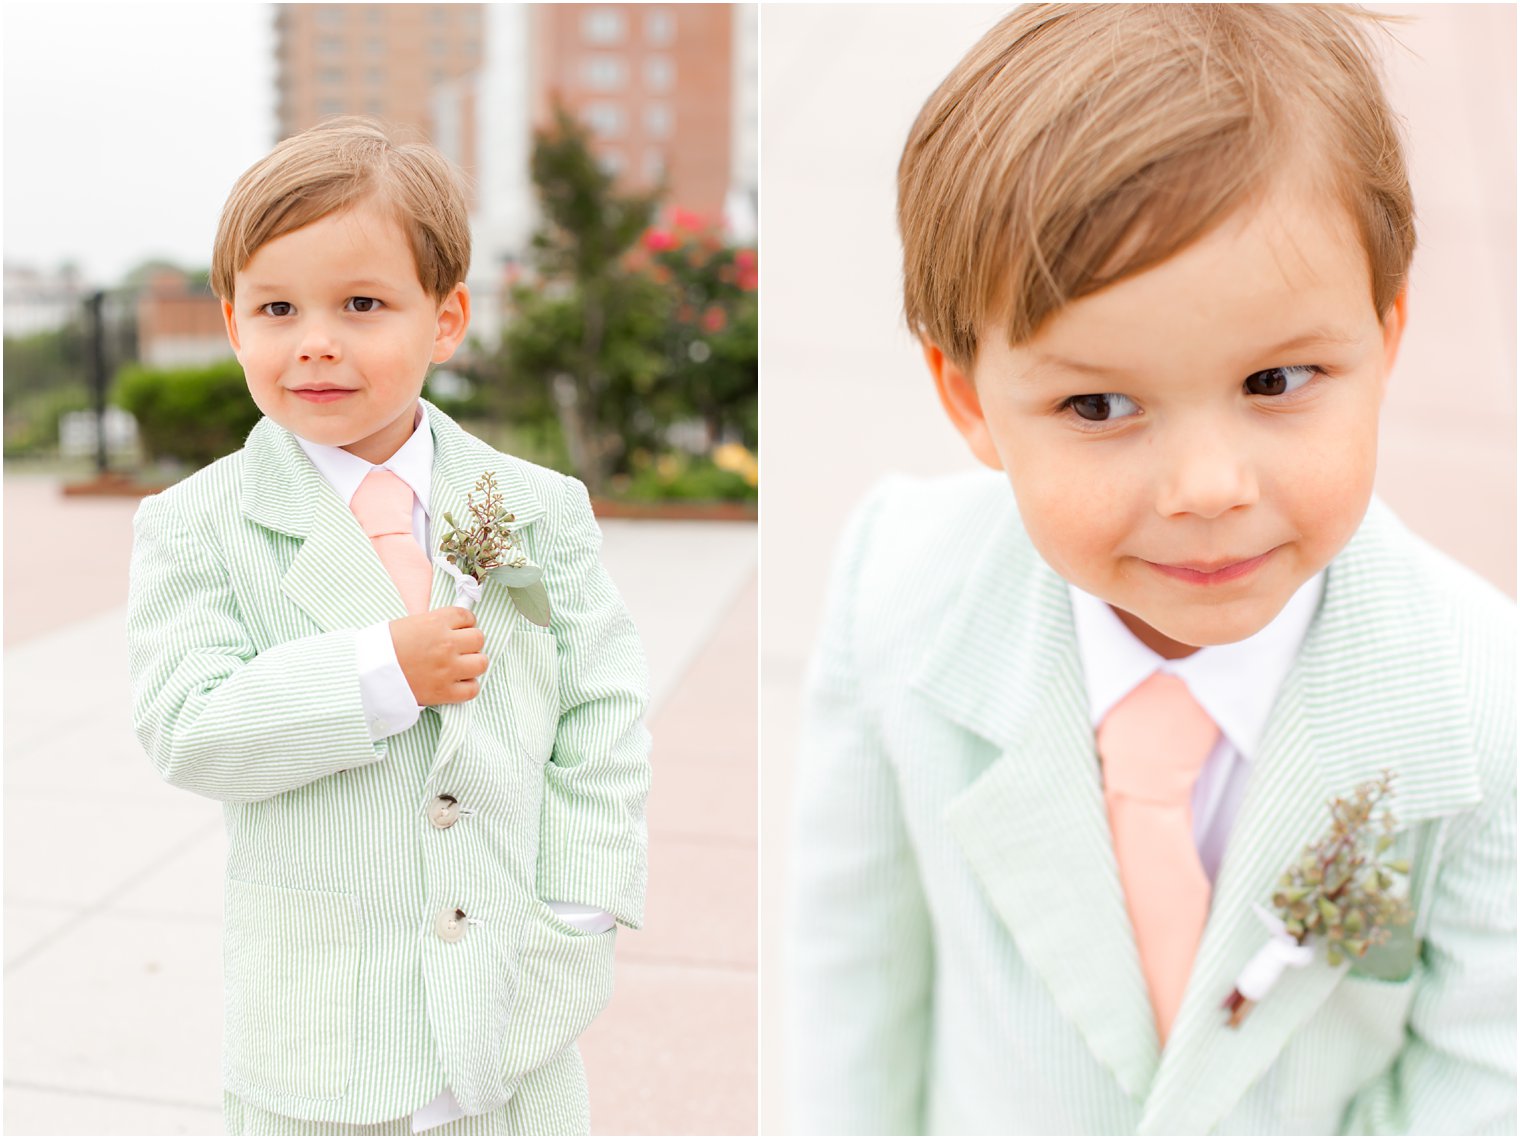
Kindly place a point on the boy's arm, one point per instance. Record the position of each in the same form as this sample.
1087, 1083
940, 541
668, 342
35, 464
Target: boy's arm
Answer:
593, 843
861, 954
215, 716
1456, 1073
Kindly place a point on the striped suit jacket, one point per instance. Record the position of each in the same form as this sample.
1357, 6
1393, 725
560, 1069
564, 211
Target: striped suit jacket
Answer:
961, 958
343, 1000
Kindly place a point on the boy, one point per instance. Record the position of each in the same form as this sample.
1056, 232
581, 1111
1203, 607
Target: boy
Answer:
434, 814
1156, 256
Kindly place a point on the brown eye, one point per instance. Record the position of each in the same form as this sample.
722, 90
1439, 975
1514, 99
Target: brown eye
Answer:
1279, 381
1090, 406
364, 304
1100, 408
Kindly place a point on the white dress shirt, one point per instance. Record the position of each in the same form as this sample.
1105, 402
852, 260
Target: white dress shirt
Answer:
389, 706
1236, 684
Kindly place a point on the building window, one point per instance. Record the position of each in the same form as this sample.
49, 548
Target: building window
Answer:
610, 161
438, 13
603, 72
654, 166
375, 76
605, 119
376, 45
330, 107
659, 26
330, 15
330, 45
438, 48
331, 75
602, 26
659, 73
657, 120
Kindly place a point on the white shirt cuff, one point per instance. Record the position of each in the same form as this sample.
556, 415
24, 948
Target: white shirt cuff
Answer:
389, 706
587, 919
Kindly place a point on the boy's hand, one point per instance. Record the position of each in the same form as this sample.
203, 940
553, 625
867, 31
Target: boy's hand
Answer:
440, 654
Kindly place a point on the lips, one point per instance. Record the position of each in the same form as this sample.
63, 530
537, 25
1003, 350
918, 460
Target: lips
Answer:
322, 395
1208, 573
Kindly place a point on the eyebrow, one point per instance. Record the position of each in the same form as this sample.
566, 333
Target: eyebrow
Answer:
281, 287
1314, 337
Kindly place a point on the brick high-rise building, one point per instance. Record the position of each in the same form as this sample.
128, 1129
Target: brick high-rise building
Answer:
384, 60
654, 82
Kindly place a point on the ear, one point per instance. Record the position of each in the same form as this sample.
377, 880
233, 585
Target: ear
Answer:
957, 395
229, 318
1393, 332
453, 323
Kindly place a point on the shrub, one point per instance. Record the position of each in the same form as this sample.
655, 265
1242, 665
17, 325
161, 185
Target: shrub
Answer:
194, 415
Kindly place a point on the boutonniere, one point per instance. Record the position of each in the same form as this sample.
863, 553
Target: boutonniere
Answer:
1340, 890
486, 548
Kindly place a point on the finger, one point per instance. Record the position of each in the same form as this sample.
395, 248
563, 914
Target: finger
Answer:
473, 665
462, 690
470, 640
459, 617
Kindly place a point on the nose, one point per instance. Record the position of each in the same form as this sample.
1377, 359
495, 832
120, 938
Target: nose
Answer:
317, 342
1207, 472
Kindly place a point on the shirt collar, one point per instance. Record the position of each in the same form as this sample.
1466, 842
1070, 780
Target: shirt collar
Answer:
1236, 683
412, 463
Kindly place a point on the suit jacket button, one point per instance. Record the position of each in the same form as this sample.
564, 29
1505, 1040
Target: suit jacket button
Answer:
443, 812
450, 925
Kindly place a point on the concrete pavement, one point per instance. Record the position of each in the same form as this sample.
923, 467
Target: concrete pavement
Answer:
113, 880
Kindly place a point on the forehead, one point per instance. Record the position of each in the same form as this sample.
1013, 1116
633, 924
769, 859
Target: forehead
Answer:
1275, 269
364, 235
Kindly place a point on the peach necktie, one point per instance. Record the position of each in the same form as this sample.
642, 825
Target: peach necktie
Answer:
1153, 745
383, 506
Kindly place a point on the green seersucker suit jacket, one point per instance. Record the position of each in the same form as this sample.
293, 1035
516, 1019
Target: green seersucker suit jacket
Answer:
343, 1000
960, 956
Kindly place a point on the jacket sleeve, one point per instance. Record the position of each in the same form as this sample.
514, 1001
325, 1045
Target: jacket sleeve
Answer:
216, 716
860, 950
593, 845
1456, 1073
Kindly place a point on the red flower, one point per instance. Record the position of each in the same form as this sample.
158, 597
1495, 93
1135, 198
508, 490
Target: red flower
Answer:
659, 240
714, 319
688, 220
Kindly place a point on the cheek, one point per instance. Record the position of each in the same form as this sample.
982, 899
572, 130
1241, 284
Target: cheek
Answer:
1330, 486
1076, 528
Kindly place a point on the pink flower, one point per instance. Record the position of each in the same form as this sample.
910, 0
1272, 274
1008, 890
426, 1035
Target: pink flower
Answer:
714, 319
659, 240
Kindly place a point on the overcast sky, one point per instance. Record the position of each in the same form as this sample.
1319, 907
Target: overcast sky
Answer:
126, 125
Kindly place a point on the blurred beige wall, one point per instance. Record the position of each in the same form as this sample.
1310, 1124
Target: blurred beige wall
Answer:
845, 398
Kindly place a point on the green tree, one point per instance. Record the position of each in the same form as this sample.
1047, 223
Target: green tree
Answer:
585, 334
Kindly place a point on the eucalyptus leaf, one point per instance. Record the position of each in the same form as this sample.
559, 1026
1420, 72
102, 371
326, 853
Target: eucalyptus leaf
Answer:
517, 577
532, 602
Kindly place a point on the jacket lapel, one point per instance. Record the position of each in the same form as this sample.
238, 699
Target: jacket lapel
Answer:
335, 577
459, 460
1375, 686
1033, 825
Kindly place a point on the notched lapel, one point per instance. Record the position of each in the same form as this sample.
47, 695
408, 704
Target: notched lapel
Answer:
335, 577
1033, 826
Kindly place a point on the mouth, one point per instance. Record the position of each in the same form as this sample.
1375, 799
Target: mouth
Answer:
322, 394
1209, 573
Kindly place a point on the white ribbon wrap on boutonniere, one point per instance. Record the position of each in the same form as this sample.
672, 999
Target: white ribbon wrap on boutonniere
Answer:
466, 588
1267, 965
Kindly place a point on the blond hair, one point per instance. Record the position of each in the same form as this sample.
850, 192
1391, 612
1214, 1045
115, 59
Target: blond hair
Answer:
331, 167
1076, 145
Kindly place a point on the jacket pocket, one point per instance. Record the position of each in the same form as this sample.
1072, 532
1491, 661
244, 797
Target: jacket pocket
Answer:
565, 981
291, 959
